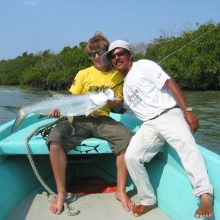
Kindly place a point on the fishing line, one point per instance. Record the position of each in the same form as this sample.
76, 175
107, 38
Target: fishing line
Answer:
211, 29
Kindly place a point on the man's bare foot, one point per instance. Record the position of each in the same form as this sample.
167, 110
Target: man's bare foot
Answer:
57, 205
127, 204
205, 209
141, 209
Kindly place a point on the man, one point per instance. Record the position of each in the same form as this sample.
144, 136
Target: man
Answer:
158, 101
66, 135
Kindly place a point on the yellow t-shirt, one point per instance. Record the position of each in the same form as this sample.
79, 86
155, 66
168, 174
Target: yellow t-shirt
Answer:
94, 80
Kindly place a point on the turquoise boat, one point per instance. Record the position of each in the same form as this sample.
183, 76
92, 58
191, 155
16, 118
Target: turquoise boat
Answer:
91, 175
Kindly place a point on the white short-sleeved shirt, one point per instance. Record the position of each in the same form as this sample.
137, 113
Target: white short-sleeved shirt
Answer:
144, 91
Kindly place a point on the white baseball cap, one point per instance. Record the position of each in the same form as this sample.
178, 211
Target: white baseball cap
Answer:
115, 44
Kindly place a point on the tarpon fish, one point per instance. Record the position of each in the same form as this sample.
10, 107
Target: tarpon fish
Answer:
69, 105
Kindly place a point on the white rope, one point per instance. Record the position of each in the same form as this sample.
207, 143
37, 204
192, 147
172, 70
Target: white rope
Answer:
211, 29
68, 208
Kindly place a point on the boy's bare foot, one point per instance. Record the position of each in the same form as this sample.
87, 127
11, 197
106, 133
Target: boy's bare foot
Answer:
57, 205
141, 209
205, 209
127, 204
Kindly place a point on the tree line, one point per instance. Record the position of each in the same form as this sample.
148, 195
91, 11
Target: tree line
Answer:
192, 59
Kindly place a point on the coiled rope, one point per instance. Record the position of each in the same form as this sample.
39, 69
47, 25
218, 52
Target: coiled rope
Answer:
68, 208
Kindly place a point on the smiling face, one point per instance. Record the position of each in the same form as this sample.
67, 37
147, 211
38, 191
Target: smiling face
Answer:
121, 60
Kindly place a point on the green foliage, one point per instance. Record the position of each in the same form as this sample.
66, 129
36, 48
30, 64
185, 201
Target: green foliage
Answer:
10, 71
30, 77
192, 59
45, 70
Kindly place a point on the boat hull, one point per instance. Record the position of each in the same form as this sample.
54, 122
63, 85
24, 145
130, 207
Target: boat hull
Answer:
169, 180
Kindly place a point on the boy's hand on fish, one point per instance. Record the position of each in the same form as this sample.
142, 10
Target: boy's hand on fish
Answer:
55, 113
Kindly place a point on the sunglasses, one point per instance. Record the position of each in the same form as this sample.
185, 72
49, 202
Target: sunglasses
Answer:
119, 54
97, 52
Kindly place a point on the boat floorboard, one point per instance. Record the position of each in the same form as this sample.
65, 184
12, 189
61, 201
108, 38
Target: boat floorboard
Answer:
92, 206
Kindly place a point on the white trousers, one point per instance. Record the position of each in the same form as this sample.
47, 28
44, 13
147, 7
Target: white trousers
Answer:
147, 142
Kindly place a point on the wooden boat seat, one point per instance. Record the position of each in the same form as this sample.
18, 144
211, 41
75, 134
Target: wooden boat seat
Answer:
14, 143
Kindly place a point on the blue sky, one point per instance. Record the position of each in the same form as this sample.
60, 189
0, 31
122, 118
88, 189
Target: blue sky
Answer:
37, 25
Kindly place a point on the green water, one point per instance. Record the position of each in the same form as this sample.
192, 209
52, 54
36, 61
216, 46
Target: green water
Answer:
206, 105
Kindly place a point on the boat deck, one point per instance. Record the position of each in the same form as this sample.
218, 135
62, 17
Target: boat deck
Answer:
92, 206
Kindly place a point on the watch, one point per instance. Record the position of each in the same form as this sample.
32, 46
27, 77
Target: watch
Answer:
188, 109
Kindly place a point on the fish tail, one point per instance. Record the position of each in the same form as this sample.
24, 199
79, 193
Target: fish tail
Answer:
18, 121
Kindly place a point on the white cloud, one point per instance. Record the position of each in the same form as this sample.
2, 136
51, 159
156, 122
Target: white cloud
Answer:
31, 2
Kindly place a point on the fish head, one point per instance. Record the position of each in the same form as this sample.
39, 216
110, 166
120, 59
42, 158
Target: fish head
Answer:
101, 98
98, 100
